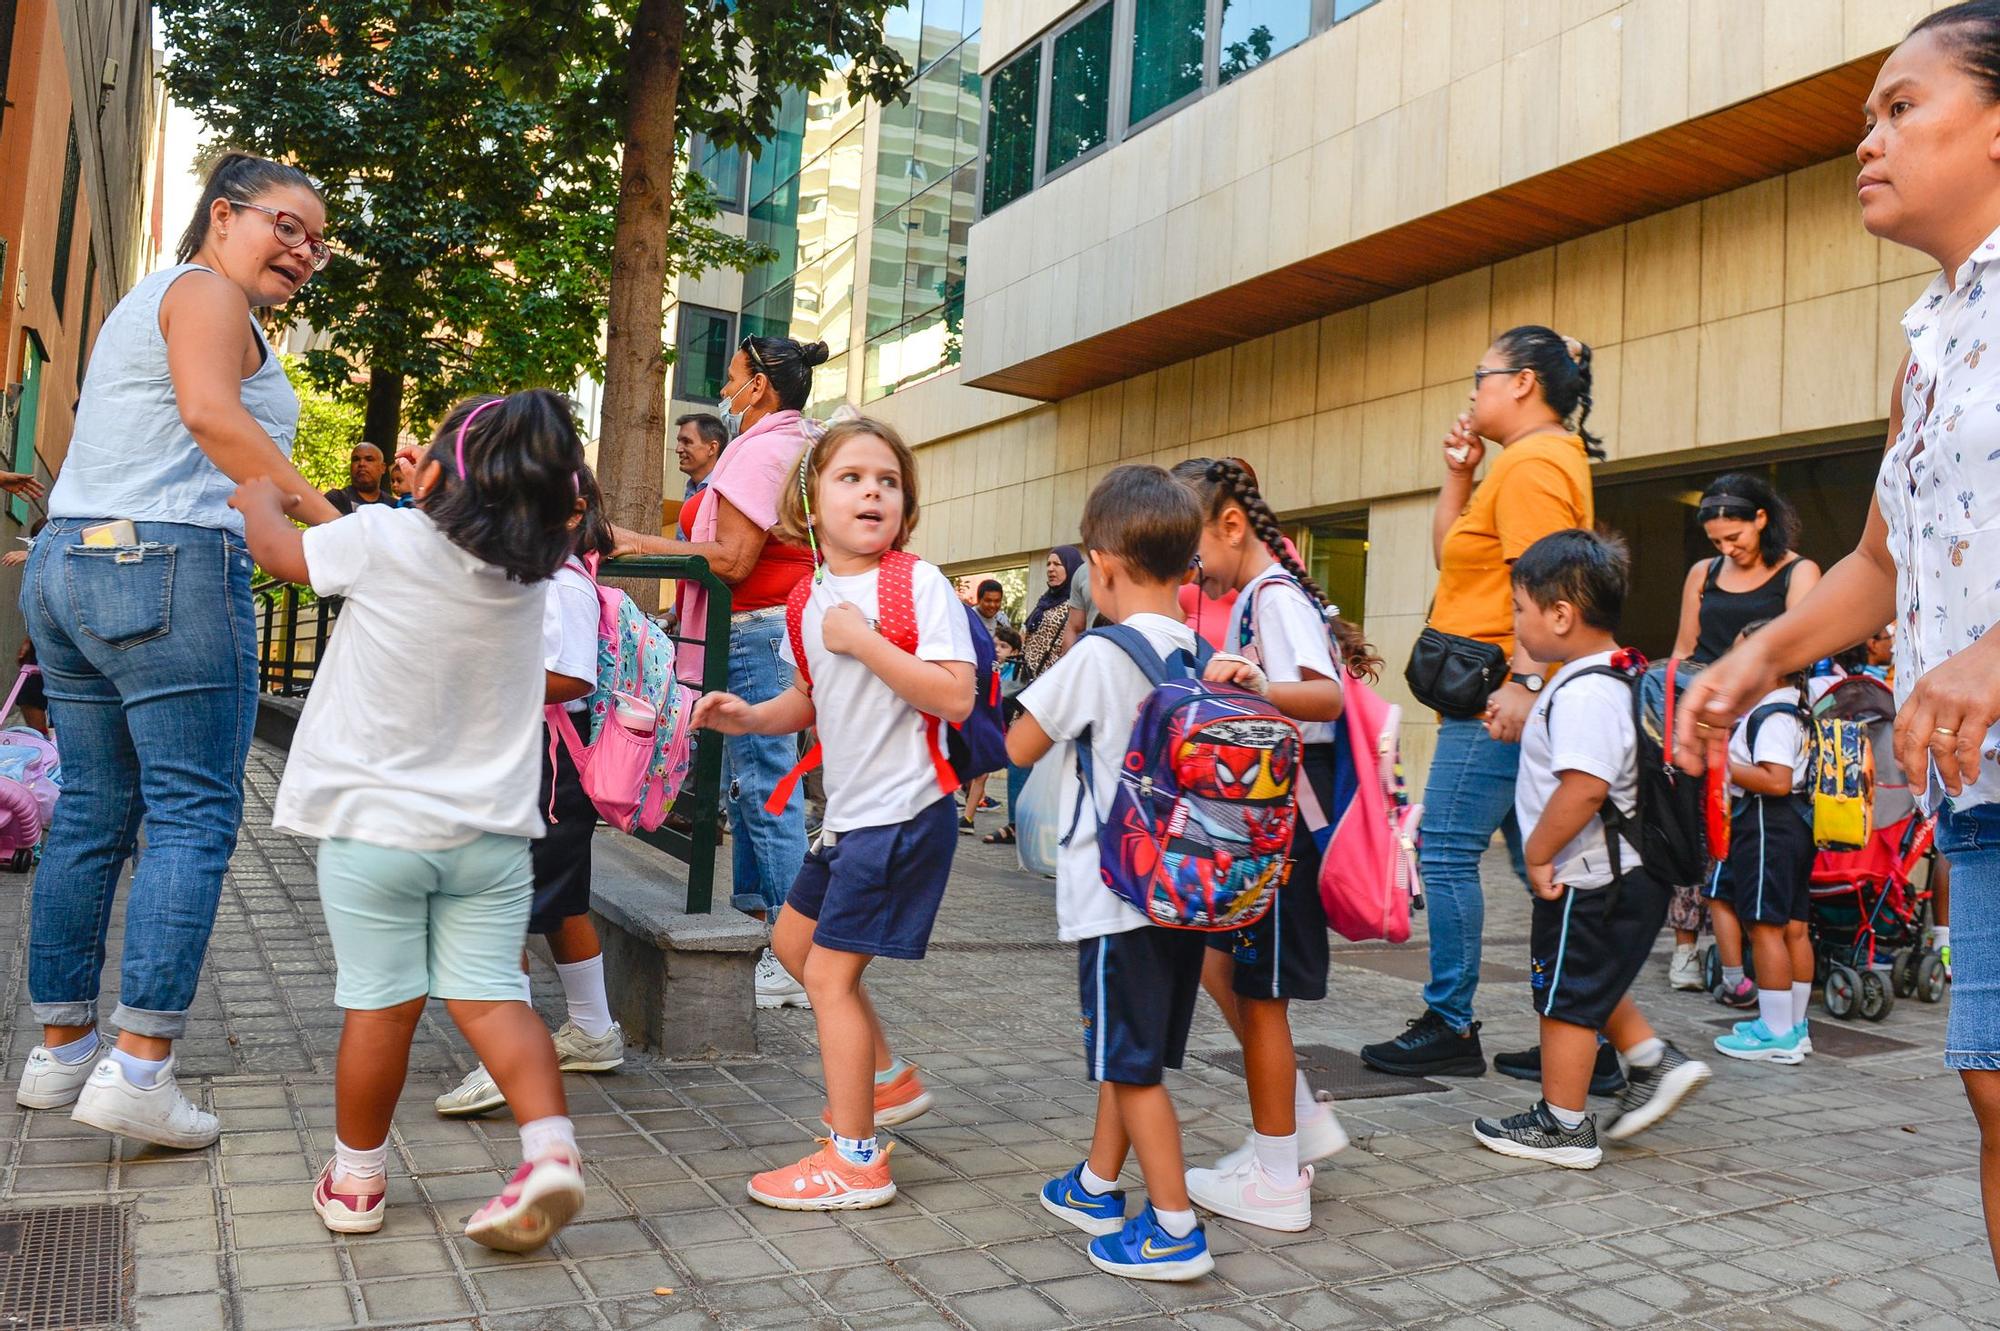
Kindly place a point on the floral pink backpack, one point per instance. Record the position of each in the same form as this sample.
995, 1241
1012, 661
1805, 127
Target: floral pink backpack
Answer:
639, 747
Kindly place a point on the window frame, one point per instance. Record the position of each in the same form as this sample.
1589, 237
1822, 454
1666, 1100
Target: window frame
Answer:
731, 322
1113, 91
986, 123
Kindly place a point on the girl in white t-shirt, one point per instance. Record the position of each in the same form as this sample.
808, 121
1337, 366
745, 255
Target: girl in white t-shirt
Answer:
422, 794
1280, 622
871, 886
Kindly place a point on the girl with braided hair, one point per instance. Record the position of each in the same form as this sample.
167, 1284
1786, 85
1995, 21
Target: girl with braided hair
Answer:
1278, 637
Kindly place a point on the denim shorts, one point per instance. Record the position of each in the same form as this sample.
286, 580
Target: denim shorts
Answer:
875, 890
406, 923
1970, 839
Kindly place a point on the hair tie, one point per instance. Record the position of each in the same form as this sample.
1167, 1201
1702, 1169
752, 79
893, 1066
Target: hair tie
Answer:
1574, 348
466, 424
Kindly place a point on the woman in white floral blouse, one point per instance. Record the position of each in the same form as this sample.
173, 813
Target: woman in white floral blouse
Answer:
1929, 559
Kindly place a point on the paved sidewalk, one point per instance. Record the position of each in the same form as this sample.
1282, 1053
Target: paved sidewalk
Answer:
1839, 1194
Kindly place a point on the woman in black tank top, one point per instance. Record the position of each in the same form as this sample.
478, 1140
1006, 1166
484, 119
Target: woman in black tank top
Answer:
1755, 576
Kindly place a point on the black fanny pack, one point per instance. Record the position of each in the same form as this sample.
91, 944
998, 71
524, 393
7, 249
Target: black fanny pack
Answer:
1454, 675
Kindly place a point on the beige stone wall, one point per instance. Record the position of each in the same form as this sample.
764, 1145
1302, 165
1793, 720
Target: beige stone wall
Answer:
1761, 315
1408, 107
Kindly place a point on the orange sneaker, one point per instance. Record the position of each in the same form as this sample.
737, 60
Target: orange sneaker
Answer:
825, 1182
898, 1100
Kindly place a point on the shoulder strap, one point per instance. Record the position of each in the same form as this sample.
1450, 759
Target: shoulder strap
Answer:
895, 604
1785, 575
795, 627
1714, 575
1755, 721
1133, 643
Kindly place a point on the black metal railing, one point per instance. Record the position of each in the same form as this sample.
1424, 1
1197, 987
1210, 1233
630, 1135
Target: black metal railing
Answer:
292, 630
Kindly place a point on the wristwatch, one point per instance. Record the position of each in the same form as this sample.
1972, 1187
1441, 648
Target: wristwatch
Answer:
1532, 683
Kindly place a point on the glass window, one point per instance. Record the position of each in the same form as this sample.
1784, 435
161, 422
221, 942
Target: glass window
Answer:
888, 248
1255, 30
829, 387
1345, 9
703, 350
941, 28
1080, 89
721, 167
1010, 128
770, 315
780, 156
903, 30
1168, 39
823, 300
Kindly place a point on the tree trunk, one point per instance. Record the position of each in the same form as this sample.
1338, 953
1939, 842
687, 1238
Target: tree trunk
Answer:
383, 423
632, 436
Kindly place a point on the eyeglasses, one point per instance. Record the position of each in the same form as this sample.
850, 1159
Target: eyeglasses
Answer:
1479, 375
291, 232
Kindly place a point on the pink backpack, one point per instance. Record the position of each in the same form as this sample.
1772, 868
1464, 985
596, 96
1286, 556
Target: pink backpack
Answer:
639, 749
1368, 878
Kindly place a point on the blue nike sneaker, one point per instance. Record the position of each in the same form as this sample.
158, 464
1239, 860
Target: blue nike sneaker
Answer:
1144, 1251
1803, 1030
1093, 1213
1756, 1043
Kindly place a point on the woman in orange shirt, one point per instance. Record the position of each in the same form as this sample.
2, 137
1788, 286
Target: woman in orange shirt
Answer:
1529, 385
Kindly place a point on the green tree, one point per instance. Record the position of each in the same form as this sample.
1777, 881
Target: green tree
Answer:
329, 428
673, 67
472, 242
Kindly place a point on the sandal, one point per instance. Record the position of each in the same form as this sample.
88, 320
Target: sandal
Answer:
1003, 837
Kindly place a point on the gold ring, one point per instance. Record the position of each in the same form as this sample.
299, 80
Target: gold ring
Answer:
1703, 725
1946, 731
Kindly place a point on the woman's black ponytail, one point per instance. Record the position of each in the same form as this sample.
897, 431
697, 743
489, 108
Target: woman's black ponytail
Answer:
1562, 367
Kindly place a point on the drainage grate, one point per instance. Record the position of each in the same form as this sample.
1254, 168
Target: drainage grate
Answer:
63, 1267
1837, 1039
1338, 1072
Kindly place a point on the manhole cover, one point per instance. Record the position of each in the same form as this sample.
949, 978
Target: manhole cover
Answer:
1837, 1039
63, 1267
1338, 1072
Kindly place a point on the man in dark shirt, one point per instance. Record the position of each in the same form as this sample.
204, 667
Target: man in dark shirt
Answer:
364, 481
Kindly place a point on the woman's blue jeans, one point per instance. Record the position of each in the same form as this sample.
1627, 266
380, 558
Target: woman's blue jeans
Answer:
151, 667
1469, 795
1970, 839
766, 849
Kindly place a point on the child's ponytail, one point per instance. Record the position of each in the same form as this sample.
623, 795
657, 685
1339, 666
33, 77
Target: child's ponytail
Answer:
1220, 482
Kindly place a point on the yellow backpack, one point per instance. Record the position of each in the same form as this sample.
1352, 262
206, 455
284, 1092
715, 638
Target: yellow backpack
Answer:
1843, 784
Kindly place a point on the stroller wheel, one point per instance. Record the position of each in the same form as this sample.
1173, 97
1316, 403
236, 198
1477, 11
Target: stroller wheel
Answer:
1903, 971
1711, 967
22, 860
1930, 978
1876, 995
1843, 991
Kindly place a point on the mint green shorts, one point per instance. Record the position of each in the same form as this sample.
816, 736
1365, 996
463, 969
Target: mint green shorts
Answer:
406, 923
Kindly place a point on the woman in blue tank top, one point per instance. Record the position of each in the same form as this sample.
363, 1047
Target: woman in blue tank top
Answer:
147, 643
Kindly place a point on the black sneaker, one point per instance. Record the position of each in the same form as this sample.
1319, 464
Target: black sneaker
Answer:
1606, 1078
1653, 1093
1429, 1048
1536, 1135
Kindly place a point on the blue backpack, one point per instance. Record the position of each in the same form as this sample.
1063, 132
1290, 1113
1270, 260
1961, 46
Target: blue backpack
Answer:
1200, 831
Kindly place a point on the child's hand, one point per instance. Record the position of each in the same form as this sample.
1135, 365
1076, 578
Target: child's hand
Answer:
1229, 668
1542, 882
405, 467
261, 494
844, 629
724, 713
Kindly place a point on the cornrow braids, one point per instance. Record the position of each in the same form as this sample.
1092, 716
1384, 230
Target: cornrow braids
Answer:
1223, 481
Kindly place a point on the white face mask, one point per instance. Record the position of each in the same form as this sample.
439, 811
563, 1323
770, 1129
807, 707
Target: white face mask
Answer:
732, 421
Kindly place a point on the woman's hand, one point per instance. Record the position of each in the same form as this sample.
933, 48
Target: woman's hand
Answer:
1229, 668
724, 713
844, 629
1711, 705
1947, 717
20, 484
1507, 712
1464, 450
625, 542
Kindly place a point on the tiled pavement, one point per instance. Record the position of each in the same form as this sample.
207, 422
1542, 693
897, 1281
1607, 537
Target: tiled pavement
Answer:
1841, 1194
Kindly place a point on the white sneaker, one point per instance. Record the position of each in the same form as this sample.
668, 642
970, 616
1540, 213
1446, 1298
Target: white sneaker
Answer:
48, 1082
1320, 1135
477, 1094
775, 985
1685, 973
159, 1114
1249, 1193
577, 1052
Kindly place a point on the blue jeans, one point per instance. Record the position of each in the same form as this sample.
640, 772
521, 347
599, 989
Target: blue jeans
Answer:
766, 849
1970, 839
151, 669
1469, 795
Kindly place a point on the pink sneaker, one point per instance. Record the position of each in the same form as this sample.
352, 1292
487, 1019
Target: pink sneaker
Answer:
541, 1197
347, 1212
825, 1182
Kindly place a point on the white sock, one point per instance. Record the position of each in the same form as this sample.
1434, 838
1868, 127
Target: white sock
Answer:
1801, 1000
1304, 1102
1646, 1054
583, 990
527, 990
1732, 976
857, 1150
546, 1136
1571, 1119
141, 1072
1179, 1224
1279, 1156
78, 1050
1775, 1007
1940, 936
352, 1163
1092, 1184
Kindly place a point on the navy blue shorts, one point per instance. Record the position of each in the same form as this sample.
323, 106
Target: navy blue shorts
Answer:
562, 855
875, 890
1138, 990
1767, 878
1588, 945
1286, 954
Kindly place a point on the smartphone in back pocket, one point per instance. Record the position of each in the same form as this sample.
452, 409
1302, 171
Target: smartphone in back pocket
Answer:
117, 532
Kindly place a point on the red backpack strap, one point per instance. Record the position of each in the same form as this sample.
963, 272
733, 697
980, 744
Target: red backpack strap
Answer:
782, 792
795, 626
895, 602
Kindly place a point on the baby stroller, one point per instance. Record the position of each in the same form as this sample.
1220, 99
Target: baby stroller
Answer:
1868, 915
30, 780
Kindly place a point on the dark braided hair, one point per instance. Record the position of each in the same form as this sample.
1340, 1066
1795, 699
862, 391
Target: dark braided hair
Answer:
1219, 483
1562, 368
